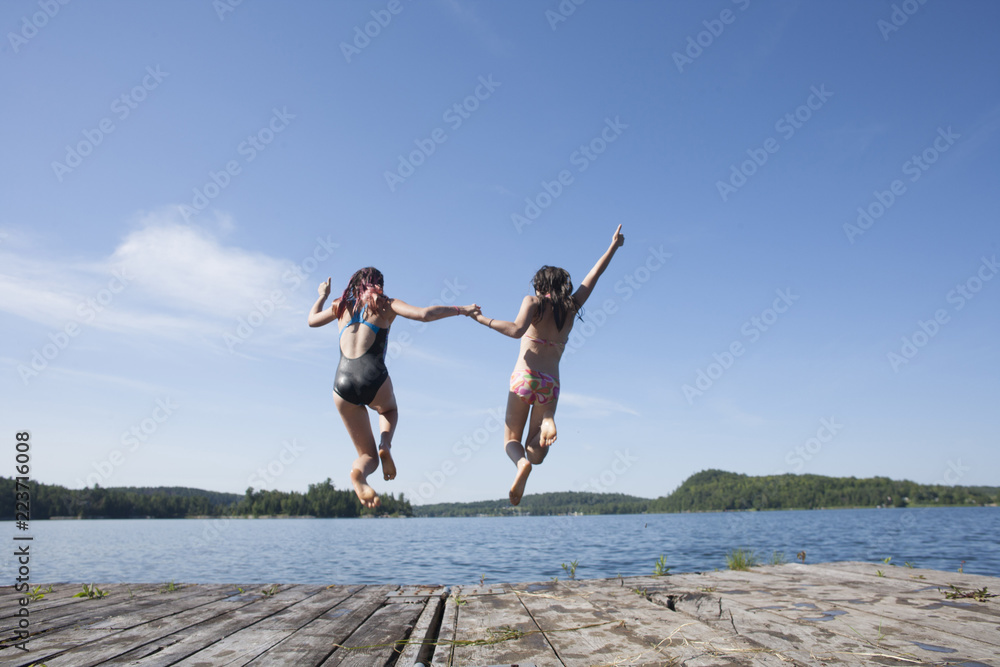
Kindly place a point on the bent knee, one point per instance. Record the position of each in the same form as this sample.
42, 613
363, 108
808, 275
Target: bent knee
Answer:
535, 456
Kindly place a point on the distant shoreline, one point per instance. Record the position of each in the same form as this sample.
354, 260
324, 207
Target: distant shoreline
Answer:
514, 514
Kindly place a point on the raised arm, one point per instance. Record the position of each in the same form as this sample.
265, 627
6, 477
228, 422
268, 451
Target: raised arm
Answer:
587, 286
430, 313
317, 316
516, 328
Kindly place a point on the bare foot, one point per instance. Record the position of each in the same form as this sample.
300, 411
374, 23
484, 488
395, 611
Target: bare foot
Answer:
388, 465
547, 433
517, 489
366, 494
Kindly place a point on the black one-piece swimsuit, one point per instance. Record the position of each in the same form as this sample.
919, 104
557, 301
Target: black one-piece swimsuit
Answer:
359, 379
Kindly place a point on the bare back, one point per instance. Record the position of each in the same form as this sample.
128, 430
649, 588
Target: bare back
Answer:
543, 342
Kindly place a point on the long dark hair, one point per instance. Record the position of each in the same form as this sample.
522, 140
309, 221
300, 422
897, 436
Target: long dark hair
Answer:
364, 288
556, 288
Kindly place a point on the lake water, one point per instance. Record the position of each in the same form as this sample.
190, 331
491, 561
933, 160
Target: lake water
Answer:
507, 549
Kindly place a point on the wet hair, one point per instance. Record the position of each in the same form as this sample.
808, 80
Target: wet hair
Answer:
556, 289
364, 288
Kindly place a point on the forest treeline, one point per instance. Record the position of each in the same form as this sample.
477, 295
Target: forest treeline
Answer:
706, 491
564, 502
718, 490
320, 500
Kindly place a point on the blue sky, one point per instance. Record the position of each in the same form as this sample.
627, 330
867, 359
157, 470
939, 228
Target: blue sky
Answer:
183, 175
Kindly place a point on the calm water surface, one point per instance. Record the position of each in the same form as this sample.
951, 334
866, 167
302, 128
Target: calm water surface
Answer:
508, 549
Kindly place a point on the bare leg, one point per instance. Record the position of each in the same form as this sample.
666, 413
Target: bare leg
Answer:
542, 422
360, 429
385, 404
517, 415
547, 434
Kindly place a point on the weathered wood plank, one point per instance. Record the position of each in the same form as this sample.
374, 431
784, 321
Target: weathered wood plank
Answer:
425, 632
373, 643
68, 610
84, 646
493, 618
62, 594
907, 601
169, 649
807, 645
444, 651
899, 571
81, 610
804, 615
314, 642
97, 621
656, 632
248, 643
579, 631
780, 619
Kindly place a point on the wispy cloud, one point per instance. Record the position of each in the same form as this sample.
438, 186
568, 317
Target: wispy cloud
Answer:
594, 406
165, 279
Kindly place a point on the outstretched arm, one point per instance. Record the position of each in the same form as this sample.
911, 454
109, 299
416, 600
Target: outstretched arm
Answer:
587, 286
516, 328
317, 316
430, 313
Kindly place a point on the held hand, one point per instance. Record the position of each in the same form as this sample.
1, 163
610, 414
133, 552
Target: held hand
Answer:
324, 288
469, 311
618, 240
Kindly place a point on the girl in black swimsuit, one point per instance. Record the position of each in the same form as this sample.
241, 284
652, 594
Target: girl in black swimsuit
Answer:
365, 315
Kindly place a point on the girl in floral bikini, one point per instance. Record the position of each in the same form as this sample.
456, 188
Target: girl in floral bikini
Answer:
543, 325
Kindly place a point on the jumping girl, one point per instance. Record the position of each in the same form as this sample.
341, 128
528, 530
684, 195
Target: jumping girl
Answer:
365, 315
543, 325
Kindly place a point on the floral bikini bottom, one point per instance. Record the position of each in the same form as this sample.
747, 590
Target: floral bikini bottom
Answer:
533, 386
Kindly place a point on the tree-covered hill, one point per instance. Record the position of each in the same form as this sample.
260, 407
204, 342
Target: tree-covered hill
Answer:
716, 490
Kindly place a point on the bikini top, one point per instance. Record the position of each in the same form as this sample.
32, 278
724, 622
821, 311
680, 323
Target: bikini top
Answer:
356, 319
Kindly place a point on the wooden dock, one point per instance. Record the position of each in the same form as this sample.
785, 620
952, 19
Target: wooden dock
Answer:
793, 614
